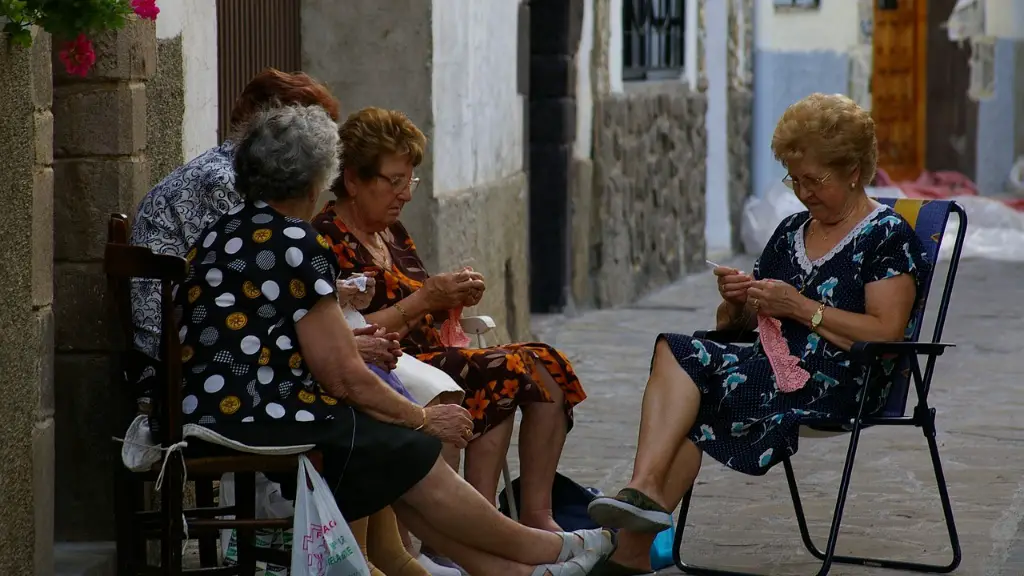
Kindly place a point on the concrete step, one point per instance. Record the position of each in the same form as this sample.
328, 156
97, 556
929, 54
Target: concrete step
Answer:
85, 559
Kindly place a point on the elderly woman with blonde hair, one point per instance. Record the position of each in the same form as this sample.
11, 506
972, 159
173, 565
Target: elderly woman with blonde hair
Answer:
847, 269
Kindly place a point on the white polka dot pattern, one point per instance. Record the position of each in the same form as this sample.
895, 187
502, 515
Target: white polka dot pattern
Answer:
253, 276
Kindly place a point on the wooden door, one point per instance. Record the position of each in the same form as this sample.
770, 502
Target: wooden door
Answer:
899, 86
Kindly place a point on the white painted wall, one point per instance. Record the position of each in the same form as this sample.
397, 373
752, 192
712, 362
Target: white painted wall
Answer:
833, 26
196, 22
584, 96
478, 113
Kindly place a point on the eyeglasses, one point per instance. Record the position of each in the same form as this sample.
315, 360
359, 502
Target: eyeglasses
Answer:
811, 184
400, 183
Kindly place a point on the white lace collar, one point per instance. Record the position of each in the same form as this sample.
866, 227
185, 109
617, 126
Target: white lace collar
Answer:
801, 250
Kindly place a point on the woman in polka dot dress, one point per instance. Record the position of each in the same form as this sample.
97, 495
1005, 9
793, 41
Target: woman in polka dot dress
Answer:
268, 360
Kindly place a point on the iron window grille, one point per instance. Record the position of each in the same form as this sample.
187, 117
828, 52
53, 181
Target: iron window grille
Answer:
652, 39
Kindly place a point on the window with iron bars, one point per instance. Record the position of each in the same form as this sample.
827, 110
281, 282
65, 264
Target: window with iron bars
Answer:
652, 39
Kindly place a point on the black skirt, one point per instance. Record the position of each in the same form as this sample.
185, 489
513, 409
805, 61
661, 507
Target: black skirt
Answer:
367, 463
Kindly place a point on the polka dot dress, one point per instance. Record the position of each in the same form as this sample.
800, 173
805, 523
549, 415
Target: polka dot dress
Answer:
744, 420
253, 275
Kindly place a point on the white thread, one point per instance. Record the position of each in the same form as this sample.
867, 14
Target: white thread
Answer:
176, 447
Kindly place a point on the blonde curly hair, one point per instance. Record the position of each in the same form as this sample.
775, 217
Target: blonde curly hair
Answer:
831, 129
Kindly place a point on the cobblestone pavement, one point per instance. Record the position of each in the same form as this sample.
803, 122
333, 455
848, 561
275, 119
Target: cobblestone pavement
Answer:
893, 510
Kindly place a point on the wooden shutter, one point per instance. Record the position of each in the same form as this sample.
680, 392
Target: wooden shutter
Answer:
899, 83
253, 35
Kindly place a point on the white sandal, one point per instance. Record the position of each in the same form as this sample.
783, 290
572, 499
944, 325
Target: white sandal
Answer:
576, 566
597, 541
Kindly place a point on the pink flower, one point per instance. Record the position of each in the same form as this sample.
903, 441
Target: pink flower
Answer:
146, 9
78, 56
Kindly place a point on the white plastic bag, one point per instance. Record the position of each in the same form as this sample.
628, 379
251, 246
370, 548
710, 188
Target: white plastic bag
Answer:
323, 544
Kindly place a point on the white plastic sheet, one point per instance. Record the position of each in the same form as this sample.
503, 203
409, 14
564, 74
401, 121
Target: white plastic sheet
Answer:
994, 231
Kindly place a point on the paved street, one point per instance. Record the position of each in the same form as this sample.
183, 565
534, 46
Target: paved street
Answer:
747, 522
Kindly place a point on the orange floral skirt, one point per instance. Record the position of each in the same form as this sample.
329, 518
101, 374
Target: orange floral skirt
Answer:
500, 378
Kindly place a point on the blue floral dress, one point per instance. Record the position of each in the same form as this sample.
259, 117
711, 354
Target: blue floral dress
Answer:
744, 420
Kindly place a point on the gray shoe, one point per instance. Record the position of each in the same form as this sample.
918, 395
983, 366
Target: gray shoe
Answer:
630, 510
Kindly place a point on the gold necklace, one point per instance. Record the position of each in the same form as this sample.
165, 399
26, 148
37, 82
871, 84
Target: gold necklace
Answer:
378, 248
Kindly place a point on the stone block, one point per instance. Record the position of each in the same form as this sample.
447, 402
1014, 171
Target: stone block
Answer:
44, 137
555, 27
553, 120
81, 309
42, 237
165, 111
552, 76
99, 119
45, 359
42, 78
128, 53
85, 421
42, 490
86, 192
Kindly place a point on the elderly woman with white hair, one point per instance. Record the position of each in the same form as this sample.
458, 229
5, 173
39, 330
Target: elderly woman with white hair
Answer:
268, 360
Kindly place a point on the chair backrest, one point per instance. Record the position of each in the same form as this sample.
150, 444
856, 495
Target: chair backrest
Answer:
928, 218
122, 263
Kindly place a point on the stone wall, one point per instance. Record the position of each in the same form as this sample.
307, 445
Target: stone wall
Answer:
740, 128
165, 96
485, 227
26, 316
648, 202
100, 168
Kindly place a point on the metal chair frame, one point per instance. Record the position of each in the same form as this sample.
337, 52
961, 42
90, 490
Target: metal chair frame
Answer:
867, 354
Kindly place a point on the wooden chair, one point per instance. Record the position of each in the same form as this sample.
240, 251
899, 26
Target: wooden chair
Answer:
928, 218
135, 525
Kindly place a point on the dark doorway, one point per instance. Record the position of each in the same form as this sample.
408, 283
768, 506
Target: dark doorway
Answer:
952, 118
555, 28
253, 35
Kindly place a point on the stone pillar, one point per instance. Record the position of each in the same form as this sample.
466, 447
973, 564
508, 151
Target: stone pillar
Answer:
100, 168
26, 316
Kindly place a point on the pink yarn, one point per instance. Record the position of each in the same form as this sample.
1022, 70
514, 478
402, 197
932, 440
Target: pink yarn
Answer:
789, 376
452, 335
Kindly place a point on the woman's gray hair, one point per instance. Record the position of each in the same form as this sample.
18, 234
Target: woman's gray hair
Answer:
286, 151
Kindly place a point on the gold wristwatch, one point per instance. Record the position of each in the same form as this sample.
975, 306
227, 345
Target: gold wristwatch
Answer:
817, 317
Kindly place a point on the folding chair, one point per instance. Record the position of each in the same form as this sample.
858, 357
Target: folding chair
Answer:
928, 218
478, 326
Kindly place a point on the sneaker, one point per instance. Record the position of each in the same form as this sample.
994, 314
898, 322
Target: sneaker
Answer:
630, 510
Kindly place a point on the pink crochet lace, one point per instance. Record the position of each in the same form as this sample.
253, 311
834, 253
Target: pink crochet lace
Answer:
789, 376
452, 335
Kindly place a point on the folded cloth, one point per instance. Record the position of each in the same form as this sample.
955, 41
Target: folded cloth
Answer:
789, 376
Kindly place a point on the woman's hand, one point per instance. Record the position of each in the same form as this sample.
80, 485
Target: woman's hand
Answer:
450, 290
449, 423
378, 348
775, 298
733, 285
349, 293
473, 295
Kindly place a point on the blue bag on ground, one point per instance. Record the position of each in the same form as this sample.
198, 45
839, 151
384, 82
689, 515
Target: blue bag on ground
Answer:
661, 549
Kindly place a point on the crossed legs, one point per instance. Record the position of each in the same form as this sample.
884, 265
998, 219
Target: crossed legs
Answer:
666, 461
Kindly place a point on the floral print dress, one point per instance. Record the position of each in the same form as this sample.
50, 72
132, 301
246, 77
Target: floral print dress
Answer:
496, 379
744, 420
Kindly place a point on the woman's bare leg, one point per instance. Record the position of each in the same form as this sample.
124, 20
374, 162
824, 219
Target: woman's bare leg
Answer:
541, 438
455, 510
633, 549
473, 560
668, 412
485, 458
